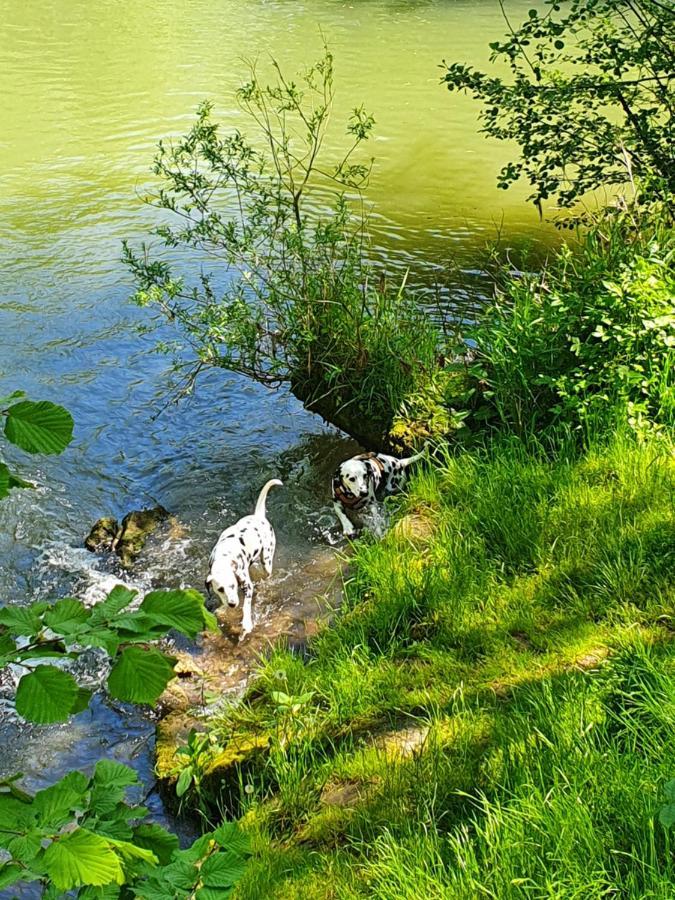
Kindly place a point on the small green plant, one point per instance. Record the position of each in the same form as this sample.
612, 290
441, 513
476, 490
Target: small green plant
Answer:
589, 338
192, 764
437, 409
82, 835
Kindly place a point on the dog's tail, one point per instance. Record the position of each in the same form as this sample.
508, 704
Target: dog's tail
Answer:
413, 459
262, 496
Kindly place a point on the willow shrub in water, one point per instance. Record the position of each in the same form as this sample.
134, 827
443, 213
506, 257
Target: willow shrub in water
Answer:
281, 291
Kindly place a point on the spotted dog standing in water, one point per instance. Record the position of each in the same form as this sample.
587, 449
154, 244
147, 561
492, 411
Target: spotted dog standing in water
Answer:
362, 480
249, 540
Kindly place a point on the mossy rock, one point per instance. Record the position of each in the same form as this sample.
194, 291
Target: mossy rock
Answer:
134, 531
102, 536
416, 528
128, 539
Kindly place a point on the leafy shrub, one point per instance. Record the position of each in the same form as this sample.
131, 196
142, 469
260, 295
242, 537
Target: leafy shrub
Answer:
591, 334
81, 834
38, 636
36, 427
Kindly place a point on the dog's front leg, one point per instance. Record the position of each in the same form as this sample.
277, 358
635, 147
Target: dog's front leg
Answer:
247, 618
347, 527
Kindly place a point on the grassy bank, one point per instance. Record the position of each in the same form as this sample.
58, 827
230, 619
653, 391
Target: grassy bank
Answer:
493, 711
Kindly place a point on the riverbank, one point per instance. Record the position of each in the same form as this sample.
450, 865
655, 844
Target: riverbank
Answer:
492, 709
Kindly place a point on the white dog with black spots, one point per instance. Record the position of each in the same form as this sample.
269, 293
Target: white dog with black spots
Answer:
249, 540
360, 482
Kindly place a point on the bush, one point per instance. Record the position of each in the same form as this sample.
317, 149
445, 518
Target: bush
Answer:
589, 338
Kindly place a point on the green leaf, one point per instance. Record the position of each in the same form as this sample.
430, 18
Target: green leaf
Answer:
157, 839
184, 781
183, 610
140, 675
106, 892
10, 873
667, 815
16, 815
213, 893
9, 480
8, 651
136, 626
46, 695
25, 847
118, 598
66, 616
39, 427
15, 395
55, 805
80, 858
81, 701
109, 784
229, 836
113, 775
21, 620
4, 481
222, 870
130, 853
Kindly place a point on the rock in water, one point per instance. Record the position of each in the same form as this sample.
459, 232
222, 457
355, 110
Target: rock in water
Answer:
135, 529
127, 539
101, 537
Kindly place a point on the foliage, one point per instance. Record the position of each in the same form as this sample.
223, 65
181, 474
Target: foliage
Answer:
81, 834
41, 636
437, 409
193, 761
590, 335
36, 427
590, 97
283, 293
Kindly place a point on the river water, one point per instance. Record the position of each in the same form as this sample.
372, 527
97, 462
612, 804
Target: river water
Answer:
87, 90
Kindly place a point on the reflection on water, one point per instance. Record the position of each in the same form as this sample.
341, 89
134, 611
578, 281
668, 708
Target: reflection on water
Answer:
86, 92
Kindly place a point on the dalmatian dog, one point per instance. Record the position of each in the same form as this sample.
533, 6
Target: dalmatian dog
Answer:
249, 540
362, 480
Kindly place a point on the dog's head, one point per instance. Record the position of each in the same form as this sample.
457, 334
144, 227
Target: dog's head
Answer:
354, 476
222, 582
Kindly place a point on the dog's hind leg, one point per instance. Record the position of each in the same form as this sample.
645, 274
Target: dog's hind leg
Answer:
247, 618
267, 558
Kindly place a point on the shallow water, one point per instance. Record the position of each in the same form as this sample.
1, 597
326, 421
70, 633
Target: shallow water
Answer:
87, 91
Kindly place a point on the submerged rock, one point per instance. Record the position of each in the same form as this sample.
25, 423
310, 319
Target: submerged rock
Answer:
126, 540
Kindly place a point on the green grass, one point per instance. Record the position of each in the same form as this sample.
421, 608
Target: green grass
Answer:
529, 634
